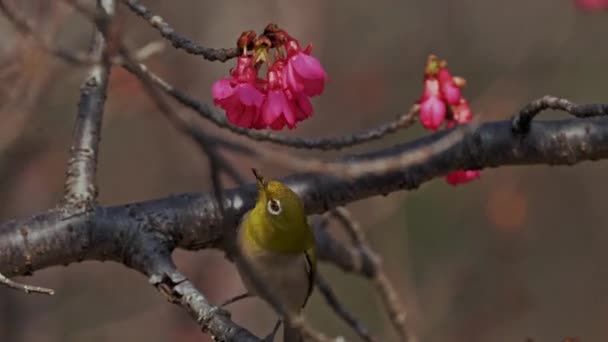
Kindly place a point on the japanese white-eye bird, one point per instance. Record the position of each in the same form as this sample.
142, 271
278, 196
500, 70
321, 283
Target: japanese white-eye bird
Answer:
279, 246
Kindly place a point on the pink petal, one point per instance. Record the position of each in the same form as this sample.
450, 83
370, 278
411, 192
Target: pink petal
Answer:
451, 93
248, 116
303, 107
431, 88
292, 80
259, 123
432, 113
313, 87
278, 124
462, 112
222, 89
272, 107
449, 90
462, 176
288, 113
233, 113
229, 103
307, 66
249, 95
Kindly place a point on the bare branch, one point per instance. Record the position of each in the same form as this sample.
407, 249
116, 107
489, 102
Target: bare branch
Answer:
334, 143
81, 185
387, 292
23, 287
25, 29
347, 258
208, 144
337, 168
75, 58
178, 41
521, 122
341, 311
346, 169
193, 221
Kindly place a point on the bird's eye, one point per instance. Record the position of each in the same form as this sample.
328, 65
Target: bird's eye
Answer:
274, 207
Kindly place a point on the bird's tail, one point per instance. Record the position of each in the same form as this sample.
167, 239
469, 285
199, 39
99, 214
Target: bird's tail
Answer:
291, 335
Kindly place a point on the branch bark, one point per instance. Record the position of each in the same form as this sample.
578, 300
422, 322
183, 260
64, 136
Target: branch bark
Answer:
81, 185
193, 221
137, 234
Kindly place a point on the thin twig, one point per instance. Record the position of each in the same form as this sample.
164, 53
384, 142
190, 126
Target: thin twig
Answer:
26, 29
178, 41
341, 311
521, 122
207, 143
23, 287
347, 258
340, 168
386, 290
75, 58
81, 185
181, 42
332, 143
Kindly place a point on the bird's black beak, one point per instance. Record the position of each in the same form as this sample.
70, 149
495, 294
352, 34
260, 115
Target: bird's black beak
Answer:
261, 181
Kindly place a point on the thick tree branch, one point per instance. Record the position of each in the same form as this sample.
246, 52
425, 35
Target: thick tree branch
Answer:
192, 221
130, 234
179, 290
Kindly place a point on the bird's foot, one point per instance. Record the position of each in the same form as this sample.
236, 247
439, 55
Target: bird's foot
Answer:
236, 299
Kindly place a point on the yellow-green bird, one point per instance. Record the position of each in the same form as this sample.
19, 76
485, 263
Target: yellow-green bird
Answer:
279, 245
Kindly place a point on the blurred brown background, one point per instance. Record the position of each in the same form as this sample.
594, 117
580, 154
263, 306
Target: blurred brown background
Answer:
521, 253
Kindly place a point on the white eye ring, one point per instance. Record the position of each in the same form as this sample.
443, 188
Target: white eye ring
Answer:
274, 207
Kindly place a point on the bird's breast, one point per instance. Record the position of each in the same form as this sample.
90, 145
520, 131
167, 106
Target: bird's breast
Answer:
286, 273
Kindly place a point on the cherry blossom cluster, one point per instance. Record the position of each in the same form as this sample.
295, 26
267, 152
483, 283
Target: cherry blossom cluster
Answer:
442, 102
283, 98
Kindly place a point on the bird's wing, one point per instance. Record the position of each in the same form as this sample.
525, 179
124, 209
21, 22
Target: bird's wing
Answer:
311, 270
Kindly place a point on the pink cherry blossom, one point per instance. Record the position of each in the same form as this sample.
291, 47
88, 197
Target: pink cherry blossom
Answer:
277, 111
301, 106
239, 95
461, 114
462, 176
303, 72
449, 91
592, 5
432, 108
